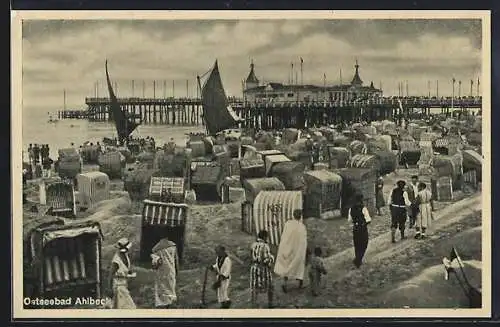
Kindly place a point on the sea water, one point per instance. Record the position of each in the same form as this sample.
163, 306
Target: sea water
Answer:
59, 135
62, 133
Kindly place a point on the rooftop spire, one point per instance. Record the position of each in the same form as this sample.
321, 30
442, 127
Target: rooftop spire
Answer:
356, 80
252, 79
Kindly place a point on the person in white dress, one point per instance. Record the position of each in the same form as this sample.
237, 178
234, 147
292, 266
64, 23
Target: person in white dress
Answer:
119, 275
222, 268
425, 206
291, 257
165, 262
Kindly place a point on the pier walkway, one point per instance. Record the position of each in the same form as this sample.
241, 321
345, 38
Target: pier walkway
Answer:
188, 111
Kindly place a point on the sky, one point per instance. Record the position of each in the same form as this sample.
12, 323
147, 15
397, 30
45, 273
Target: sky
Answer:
70, 55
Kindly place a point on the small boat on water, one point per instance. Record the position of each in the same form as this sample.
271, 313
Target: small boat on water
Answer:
52, 120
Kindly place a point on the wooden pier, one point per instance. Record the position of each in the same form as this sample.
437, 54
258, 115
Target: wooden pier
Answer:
269, 115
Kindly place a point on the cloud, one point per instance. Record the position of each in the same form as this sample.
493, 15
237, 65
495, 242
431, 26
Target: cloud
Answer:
70, 55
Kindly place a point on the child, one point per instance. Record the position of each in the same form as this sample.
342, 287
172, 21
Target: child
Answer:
316, 269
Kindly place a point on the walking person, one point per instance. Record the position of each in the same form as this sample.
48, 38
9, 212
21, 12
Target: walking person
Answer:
165, 262
119, 275
412, 191
359, 216
291, 257
261, 278
379, 194
426, 207
222, 268
398, 203
316, 270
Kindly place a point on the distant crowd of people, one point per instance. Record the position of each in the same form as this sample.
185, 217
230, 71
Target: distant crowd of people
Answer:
38, 156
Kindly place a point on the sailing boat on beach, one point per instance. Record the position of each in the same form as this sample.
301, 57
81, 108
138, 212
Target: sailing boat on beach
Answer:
217, 113
124, 125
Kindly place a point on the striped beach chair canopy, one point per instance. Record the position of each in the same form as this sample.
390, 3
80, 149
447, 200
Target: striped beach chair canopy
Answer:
58, 195
164, 214
65, 255
271, 210
441, 142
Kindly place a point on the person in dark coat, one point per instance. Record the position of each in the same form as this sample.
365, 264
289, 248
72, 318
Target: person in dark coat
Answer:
36, 154
360, 218
412, 191
398, 203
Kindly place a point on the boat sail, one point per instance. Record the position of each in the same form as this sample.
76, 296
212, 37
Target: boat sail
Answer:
217, 113
124, 126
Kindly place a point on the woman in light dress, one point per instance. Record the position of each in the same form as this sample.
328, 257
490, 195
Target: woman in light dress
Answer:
119, 275
165, 262
425, 206
222, 269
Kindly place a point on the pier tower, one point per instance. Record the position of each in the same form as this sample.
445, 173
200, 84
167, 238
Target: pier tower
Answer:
356, 80
251, 81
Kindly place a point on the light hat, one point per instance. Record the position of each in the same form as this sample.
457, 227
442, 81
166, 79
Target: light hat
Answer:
123, 244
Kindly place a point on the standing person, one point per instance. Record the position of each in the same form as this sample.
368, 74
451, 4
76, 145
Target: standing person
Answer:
165, 262
291, 258
25, 177
261, 279
359, 216
47, 166
309, 145
426, 206
99, 148
222, 268
316, 269
42, 152
45, 162
379, 194
31, 155
46, 151
412, 190
36, 154
119, 275
315, 155
398, 202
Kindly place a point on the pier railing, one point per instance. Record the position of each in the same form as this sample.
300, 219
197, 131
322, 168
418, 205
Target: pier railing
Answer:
415, 102
189, 111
